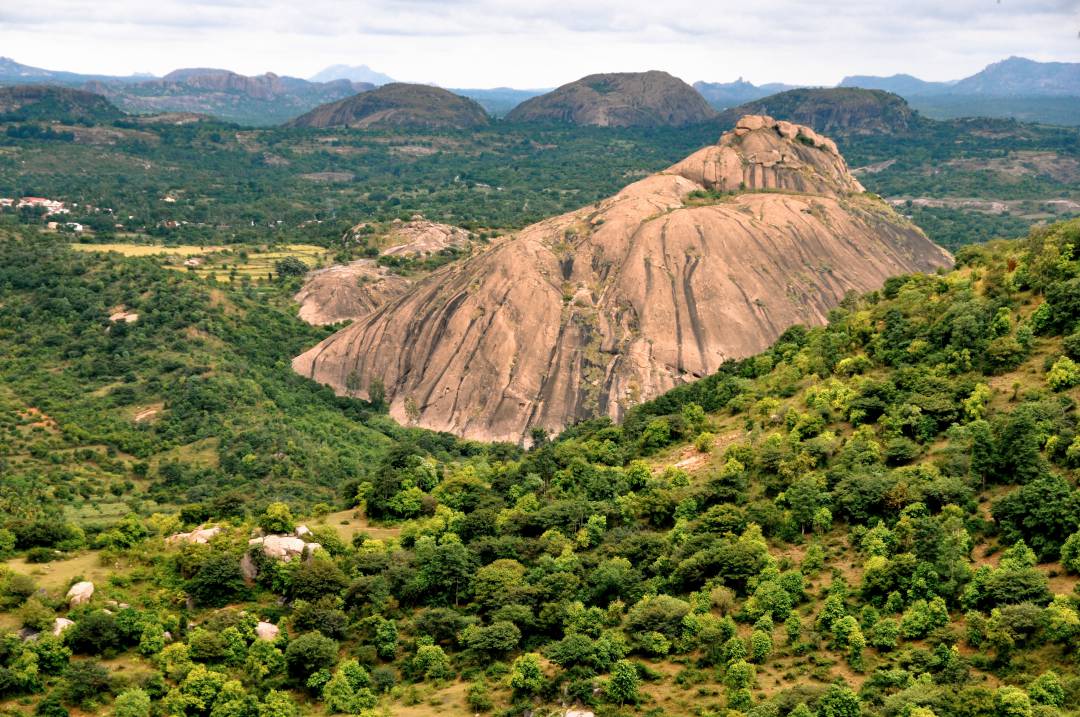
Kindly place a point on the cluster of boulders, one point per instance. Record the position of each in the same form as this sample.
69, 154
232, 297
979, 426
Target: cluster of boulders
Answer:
200, 535
278, 547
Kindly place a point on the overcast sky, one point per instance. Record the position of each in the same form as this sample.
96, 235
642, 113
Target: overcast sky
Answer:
542, 43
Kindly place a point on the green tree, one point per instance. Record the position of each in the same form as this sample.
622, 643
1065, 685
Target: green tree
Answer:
310, 653
526, 675
622, 687
277, 518
132, 702
1011, 702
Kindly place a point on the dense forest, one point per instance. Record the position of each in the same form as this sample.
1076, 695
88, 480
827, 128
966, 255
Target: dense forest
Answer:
875, 517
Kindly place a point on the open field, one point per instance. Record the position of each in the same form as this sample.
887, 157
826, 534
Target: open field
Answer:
147, 249
256, 262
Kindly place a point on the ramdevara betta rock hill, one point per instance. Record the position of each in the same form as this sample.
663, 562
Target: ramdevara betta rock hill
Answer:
587, 313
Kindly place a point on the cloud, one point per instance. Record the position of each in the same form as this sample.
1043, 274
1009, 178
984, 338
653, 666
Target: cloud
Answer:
529, 43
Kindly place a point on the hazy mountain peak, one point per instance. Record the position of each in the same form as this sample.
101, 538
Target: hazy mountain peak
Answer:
353, 73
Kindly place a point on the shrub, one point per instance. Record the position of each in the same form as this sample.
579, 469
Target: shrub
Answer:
310, 653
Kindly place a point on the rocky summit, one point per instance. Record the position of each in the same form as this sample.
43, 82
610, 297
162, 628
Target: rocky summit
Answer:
622, 99
590, 312
398, 105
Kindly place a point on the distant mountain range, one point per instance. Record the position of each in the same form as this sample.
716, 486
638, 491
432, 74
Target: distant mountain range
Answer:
1014, 77
1016, 87
352, 73
722, 95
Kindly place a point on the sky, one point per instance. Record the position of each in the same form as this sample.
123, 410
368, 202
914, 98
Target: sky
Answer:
542, 43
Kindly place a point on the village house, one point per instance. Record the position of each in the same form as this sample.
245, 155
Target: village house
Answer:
51, 206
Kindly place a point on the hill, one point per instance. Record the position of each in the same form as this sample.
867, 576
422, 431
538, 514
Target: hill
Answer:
876, 517
398, 105
54, 104
903, 85
840, 111
627, 99
259, 100
1023, 77
590, 312
723, 95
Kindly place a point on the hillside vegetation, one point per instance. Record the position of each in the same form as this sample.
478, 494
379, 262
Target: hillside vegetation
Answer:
875, 517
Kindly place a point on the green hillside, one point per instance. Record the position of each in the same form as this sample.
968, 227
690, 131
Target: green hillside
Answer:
877, 517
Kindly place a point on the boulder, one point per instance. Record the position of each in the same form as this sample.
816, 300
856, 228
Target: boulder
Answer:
279, 547
753, 122
248, 569
301, 531
579, 713
60, 624
199, 535
80, 593
267, 631
787, 130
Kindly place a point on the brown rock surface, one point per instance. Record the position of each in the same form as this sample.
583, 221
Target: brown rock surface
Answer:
621, 99
587, 313
347, 291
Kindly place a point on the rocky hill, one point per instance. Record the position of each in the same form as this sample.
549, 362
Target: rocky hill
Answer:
625, 99
54, 104
835, 110
1018, 76
258, 100
591, 312
398, 105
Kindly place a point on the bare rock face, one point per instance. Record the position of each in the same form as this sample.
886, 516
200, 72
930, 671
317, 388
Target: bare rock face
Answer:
588, 313
284, 547
267, 631
60, 624
398, 105
622, 99
420, 236
347, 291
80, 593
199, 535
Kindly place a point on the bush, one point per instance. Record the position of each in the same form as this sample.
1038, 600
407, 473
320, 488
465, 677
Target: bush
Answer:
132, 702
1064, 374
96, 633
85, 684
309, 653
218, 581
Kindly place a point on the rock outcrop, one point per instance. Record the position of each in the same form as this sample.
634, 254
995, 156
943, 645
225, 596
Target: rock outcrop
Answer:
284, 547
267, 631
398, 105
587, 313
621, 99
61, 624
420, 236
199, 535
347, 291
80, 593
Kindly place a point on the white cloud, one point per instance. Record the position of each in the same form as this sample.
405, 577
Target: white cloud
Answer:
528, 43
